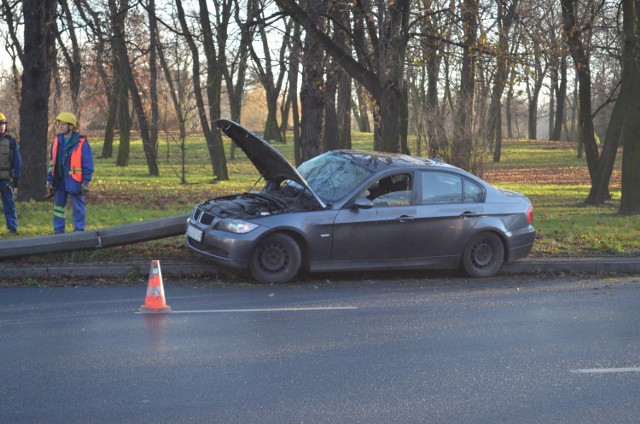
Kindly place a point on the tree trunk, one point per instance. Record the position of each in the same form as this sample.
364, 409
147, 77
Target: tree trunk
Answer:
561, 96
112, 111
343, 96
214, 85
361, 110
239, 71
630, 200
462, 146
272, 87
153, 76
599, 192
312, 88
124, 120
508, 112
393, 102
195, 75
585, 128
505, 21
39, 39
72, 58
294, 67
123, 57
535, 96
532, 117
331, 140
344, 111
552, 112
438, 145
174, 92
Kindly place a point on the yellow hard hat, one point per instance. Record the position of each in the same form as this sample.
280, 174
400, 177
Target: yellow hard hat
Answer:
3, 119
68, 118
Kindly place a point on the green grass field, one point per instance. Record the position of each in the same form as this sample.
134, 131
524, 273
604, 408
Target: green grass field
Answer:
549, 173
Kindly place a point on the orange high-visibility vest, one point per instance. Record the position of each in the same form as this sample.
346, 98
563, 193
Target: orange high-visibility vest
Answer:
76, 159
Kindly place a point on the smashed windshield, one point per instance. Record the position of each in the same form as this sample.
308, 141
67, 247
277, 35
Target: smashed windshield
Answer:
332, 176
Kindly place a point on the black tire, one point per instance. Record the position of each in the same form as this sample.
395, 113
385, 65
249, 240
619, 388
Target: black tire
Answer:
276, 259
483, 255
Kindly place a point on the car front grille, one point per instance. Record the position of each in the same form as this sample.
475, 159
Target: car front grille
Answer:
202, 217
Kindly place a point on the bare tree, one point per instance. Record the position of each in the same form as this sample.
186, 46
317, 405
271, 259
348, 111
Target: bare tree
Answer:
71, 58
436, 30
235, 69
176, 84
264, 67
312, 87
214, 76
9, 13
95, 25
578, 52
39, 39
462, 146
153, 75
505, 20
559, 89
337, 129
212, 137
120, 46
383, 72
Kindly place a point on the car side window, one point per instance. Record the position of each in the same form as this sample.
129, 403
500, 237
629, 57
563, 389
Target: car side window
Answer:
472, 192
442, 188
394, 190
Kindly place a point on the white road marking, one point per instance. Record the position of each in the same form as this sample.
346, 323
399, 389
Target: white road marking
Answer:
213, 311
605, 370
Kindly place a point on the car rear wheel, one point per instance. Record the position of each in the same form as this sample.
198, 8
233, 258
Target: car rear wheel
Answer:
276, 259
483, 255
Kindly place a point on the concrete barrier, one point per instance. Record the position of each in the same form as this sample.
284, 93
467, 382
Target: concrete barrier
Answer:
95, 239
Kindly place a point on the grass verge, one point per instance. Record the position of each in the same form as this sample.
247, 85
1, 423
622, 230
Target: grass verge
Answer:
549, 173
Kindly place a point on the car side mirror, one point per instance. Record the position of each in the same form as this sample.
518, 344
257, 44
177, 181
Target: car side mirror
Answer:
362, 203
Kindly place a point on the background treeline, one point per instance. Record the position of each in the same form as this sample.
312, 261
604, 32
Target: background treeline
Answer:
459, 76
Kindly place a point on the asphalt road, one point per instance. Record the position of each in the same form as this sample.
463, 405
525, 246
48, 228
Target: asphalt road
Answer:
507, 350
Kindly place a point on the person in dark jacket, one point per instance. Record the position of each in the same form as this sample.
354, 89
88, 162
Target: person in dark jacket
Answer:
10, 169
70, 171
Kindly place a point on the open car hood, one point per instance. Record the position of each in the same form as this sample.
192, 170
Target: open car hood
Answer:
271, 165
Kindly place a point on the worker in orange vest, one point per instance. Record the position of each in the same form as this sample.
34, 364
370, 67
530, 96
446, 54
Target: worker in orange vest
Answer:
70, 171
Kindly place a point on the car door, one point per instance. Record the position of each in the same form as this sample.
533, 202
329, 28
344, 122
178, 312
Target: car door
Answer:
450, 205
376, 234
432, 229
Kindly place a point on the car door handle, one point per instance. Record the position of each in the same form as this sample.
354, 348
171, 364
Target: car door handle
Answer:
468, 214
404, 218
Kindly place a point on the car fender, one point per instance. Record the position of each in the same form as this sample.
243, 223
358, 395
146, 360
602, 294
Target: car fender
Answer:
294, 233
313, 230
495, 225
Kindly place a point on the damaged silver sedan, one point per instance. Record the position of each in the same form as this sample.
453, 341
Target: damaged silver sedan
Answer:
359, 210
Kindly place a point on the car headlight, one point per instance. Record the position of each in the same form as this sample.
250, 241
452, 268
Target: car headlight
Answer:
236, 226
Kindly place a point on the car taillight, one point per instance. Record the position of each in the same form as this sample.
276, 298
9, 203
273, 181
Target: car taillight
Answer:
530, 213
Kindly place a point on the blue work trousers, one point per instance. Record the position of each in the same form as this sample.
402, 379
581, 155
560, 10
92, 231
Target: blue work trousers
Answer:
59, 209
9, 205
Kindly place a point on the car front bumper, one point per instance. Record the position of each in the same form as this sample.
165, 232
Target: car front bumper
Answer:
227, 249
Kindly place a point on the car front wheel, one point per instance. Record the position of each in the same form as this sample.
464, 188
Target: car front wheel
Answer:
483, 255
276, 259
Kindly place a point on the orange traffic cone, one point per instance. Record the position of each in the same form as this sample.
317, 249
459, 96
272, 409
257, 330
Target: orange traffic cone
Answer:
154, 301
